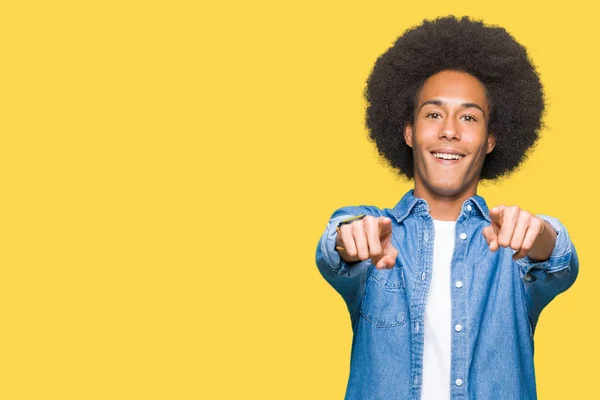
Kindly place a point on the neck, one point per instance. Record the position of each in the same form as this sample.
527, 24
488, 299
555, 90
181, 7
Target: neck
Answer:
442, 207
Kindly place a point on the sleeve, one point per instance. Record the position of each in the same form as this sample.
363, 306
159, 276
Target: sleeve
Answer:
545, 280
347, 279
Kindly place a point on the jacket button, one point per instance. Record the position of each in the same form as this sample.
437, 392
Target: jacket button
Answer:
463, 236
459, 382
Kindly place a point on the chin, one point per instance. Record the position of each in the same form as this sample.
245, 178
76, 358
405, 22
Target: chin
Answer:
447, 189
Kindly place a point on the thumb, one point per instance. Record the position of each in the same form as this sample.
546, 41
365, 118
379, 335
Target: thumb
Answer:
388, 260
491, 237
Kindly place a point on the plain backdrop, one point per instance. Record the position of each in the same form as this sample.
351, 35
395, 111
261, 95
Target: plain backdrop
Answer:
167, 168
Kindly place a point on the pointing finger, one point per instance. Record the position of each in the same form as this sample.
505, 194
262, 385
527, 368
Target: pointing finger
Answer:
385, 226
496, 215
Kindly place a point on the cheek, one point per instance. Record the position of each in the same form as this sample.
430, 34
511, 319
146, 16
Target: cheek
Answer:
425, 134
476, 142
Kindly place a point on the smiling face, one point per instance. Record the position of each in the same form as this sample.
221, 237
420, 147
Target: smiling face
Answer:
449, 136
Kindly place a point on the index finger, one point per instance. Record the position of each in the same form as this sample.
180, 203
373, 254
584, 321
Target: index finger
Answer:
497, 213
385, 226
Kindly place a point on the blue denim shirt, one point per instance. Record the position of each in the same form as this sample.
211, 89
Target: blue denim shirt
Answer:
495, 299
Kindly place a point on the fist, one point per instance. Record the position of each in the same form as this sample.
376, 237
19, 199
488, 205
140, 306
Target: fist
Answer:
515, 228
367, 238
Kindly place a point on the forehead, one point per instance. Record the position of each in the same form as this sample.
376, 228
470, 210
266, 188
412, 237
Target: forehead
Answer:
454, 87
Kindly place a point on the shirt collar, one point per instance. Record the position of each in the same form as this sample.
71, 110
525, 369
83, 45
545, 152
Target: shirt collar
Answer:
411, 204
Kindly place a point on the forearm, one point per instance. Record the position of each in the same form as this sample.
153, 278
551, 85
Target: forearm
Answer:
545, 279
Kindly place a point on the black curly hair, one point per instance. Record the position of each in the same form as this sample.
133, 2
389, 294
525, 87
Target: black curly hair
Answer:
513, 89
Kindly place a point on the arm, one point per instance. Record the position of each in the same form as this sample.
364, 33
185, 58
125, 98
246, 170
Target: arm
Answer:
551, 275
346, 277
542, 249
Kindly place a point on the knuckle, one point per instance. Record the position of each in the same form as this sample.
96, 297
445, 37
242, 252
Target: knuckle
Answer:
366, 222
368, 219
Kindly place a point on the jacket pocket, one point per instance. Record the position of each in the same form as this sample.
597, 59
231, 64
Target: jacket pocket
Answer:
384, 300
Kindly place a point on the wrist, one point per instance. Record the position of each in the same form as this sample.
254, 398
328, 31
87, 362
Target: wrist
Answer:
544, 244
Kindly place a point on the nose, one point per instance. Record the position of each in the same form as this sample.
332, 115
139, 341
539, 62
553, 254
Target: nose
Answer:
449, 129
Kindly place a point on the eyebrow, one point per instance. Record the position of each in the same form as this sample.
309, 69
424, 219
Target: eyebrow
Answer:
443, 103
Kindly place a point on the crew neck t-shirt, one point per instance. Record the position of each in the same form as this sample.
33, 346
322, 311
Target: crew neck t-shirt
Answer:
438, 317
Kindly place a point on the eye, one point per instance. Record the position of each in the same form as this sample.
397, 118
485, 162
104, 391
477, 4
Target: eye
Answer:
433, 115
469, 118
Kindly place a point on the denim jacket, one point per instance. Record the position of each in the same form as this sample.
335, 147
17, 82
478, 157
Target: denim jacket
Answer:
495, 300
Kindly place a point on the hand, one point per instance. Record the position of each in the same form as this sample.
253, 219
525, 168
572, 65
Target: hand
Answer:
370, 237
523, 232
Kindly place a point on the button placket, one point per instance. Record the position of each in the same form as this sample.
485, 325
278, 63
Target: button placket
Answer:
459, 299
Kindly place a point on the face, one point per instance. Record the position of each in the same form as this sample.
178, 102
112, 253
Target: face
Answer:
449, 135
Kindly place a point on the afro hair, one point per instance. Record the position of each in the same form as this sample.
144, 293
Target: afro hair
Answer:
490, 54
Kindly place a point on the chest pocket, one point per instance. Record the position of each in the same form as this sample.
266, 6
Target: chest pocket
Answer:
384, 300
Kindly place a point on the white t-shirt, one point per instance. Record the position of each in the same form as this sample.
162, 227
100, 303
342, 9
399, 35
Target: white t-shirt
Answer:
438, 317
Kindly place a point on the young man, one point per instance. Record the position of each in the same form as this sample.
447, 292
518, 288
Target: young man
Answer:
444, 294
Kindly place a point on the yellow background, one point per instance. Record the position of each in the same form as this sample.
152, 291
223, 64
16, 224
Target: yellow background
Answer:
167, 169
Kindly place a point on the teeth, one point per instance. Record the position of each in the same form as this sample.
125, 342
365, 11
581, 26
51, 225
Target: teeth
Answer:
445, 156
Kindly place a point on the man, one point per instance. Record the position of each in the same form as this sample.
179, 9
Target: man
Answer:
444, 294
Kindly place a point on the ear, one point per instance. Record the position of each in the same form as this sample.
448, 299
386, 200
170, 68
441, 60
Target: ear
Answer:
491, 142
408, 134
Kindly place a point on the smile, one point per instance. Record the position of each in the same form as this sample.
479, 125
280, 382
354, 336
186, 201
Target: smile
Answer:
447, 156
